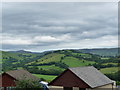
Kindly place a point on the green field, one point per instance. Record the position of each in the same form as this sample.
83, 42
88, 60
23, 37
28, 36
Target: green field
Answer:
110, 63
19, 67
50, 67
105, 58
54, 57
46, 77
82, 54
109, 70
74, 62
51, 57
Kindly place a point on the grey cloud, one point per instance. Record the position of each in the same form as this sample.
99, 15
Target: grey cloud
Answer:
80, 20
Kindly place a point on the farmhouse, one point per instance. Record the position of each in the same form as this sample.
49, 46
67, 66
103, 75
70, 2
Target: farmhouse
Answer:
82, 78
8, 78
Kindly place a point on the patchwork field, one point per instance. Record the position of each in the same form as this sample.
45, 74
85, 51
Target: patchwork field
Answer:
109, 70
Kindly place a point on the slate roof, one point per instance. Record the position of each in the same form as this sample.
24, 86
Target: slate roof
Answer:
91, 76
22, 74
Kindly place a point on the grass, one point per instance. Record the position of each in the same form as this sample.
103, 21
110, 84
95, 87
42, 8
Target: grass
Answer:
51, 57
105, 58
110, 63
74, 62
82, 54
14, 55
109, 70
46, 77
50, 67
15, 62
54, 57
19, 67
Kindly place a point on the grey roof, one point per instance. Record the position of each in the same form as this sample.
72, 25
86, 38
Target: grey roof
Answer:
22, 74
91, 76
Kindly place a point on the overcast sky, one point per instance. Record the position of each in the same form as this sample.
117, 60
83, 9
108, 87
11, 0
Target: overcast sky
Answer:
49, 26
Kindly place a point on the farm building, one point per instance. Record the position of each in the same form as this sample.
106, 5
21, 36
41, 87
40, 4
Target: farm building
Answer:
8, 78
82, 78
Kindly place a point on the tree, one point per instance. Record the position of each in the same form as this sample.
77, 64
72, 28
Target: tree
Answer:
62, 58
26, 83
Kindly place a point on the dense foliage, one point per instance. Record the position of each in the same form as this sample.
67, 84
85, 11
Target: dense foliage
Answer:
28, 84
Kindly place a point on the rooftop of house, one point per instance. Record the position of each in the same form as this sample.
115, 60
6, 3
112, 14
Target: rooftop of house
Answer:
88, 74
22, 74
91, 76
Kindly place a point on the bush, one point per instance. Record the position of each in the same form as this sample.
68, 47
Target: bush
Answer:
24, 84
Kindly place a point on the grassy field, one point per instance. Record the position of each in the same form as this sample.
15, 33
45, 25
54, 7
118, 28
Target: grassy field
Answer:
105, 58
48, 78
54, 57
82, 54
50, 67
51, 57
109, 70
74, 62
69, 60
110, 63
19, 67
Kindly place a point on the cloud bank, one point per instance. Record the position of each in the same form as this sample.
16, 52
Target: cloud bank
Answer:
47, 26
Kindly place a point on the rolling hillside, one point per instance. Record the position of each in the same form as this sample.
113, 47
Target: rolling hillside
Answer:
52, 63
56, 61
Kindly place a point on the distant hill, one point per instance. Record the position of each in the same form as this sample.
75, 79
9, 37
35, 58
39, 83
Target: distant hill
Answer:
23, 51
98, 51
101, 51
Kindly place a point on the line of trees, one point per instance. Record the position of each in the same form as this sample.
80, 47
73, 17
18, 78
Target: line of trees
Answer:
36, 70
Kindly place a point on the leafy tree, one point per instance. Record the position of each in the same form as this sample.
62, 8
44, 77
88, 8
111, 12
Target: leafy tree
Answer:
26, 83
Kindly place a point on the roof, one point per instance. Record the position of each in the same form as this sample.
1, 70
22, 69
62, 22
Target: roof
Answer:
91, 76
22, 74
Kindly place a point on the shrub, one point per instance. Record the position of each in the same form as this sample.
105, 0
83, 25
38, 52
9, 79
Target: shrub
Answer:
26, 83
